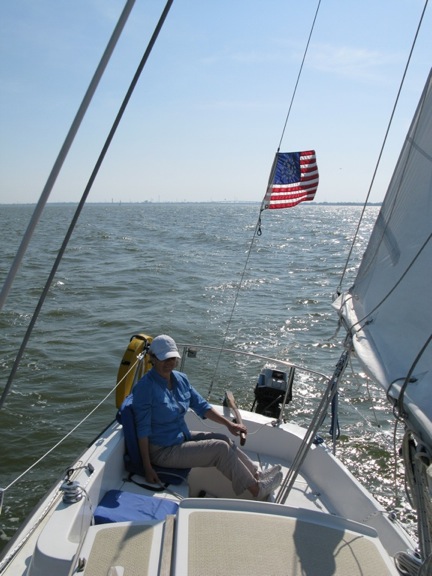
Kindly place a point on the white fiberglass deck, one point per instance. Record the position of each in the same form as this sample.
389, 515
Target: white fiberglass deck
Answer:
226, 537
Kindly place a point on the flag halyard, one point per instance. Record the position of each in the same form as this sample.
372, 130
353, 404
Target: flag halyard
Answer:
295, 180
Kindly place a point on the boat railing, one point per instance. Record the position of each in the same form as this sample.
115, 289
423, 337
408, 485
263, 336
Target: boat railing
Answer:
190, 350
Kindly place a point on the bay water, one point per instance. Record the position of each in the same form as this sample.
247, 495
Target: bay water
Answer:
192, 271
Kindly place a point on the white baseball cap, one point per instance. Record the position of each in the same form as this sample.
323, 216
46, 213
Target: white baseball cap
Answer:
164, 347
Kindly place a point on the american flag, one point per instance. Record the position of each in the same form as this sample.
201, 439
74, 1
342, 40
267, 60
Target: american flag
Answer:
295, 180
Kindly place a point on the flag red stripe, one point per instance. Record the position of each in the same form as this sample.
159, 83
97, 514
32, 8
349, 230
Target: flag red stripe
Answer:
289, 203
309, 170
294, 195
296, 186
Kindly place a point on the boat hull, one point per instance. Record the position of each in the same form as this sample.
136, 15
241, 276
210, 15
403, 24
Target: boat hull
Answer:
325, 499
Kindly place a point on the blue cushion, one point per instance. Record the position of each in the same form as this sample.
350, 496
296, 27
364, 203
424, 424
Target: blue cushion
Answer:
119, 506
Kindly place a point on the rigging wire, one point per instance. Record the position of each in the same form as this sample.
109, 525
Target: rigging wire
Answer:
400, 401
299, 73
339, 288
84, 197
257, 229
65, 150
71, 431
387, 295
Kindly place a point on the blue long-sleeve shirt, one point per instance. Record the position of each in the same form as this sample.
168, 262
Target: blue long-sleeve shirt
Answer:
159, 412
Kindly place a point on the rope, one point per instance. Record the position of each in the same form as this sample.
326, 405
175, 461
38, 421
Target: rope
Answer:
215, 426
84, 198
312, 430
339, 288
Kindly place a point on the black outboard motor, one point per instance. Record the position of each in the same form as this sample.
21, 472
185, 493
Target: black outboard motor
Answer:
270, 391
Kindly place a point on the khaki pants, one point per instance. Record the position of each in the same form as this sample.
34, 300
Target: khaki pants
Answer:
208, 449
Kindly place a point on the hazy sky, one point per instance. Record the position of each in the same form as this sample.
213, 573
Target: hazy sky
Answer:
208, 113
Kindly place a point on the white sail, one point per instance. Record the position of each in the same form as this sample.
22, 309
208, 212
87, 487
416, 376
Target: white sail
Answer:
388, 310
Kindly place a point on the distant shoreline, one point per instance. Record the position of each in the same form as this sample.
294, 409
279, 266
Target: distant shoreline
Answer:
121, 202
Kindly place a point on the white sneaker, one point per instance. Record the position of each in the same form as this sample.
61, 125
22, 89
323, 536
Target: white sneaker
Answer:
268, 485
272, 471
